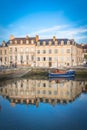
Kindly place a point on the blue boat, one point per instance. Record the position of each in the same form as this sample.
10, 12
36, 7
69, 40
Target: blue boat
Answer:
65, 74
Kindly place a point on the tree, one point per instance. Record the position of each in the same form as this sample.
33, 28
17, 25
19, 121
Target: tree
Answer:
85, 56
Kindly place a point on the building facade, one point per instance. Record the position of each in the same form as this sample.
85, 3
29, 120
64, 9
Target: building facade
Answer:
84, 46
30, 91
35, 52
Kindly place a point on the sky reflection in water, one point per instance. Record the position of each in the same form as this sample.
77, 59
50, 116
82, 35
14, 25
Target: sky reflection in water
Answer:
27, 104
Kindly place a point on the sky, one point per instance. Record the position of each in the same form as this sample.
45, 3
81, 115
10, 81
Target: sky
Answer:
46, 18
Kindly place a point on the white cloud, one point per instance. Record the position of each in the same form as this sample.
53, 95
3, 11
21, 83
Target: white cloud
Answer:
81, 37
63, 31
55, 28
60, 31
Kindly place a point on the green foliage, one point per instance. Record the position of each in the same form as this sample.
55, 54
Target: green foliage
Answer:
85, 56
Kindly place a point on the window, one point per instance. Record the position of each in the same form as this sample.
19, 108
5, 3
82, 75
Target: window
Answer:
56, 58
49, 92
10, 58
10, 42
10, 50
44, 43
67, 93
15, 41
32, 49
27, 57
38, 84
68, 50
50, 85
21, 58
62, 42
50, 51
38, 51
44, 58
21, 85
21, 49
44, 84
62, 50
50, 42
67, 64
62, 58
55, 51
0, 58
32, 58
0, 52
5, 52
50, 58
15, 57
38, 43
5, 59
55, 92
68, 58
62, 84
27, 41
44, 92
56, 42
27, 49
38, 92
38, 58
21, 42
44, 51
32, 41
68, 42
15, 49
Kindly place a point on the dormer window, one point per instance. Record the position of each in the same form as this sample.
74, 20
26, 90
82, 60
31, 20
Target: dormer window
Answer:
3, 43
44, 43
21, 41
56, 42
10, 42
62, 42
27, 41
68, 42
38, 43
32, 41
73, 42
15, 41
50, 42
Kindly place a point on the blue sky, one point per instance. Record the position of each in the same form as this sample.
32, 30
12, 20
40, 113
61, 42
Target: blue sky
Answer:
63, 18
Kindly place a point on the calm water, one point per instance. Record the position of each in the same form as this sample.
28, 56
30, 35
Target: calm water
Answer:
27, 104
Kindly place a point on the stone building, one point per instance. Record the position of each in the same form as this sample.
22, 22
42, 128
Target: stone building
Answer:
35, 52
30, 91
84, 46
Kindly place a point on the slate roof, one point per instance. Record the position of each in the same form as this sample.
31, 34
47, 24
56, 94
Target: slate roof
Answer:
23, 39
84, 46
59, 41
40, 40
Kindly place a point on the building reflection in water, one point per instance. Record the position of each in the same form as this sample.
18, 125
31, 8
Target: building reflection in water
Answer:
48, 91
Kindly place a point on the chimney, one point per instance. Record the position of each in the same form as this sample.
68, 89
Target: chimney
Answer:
27, 37
54, 38
37, 38
11, 37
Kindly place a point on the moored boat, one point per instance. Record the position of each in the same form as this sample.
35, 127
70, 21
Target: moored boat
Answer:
62, 74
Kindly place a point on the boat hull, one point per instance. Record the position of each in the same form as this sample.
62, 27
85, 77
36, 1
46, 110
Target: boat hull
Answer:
63, 75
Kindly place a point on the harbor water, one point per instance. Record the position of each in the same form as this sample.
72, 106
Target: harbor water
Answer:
39, 104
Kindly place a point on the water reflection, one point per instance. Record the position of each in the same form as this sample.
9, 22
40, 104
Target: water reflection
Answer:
28, 91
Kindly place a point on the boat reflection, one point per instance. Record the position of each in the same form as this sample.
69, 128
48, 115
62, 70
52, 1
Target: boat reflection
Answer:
52, 91
58, 80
